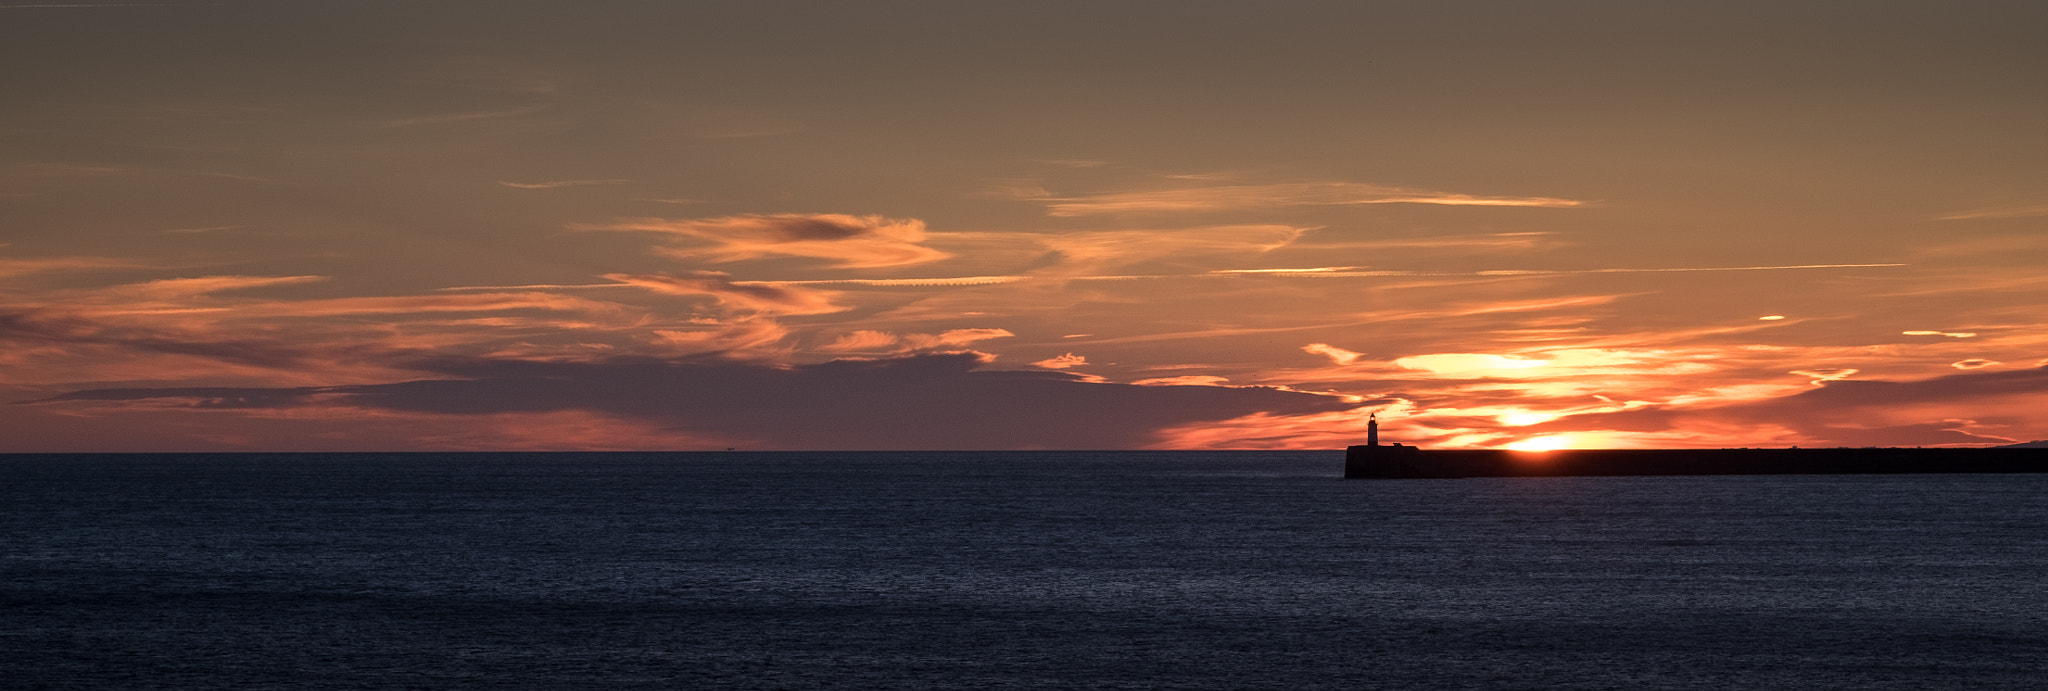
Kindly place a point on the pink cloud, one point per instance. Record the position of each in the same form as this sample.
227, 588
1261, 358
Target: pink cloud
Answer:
1335, 354
744, 339
848, 242
1200, 195
883, 342
553, 184
20, 266
1184, 380
1095, 250
861, 341
1067, 361
424, 304
753, 298
175, 288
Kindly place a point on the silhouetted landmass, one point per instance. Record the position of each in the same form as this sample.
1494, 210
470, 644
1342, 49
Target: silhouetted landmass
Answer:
1371, 461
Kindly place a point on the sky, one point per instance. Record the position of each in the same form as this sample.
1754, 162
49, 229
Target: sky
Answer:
301, 225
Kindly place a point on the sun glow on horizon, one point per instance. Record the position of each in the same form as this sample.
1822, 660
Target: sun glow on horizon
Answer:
1552, 442
1518, 418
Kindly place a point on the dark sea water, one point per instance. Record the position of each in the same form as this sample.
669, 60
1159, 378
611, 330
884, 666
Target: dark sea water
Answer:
1002, 570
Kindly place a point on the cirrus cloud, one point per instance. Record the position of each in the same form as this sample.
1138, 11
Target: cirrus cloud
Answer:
847, 242
754, 298
871, 341
1204, 196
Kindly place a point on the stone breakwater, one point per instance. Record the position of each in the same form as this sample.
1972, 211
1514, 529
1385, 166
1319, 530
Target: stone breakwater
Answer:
1391, 462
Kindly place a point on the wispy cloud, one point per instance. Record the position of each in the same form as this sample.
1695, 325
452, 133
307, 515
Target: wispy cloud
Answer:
65, 330
867, 341
1065, 361
552, 184
1211, 197
1335, 354
538, 286
749, 337
1185, 380
1995, 212
1949, 409
456, 118
2009, 245
849, 242
753, 298
731, 122
1500, 242
173, 288
1343, 272
1097, 250
1545, 272
1314, 272
77, 170
13, 266
484, 73
425, 304
937, 282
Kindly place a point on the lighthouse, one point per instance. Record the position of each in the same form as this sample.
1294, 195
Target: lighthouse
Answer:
1373, 460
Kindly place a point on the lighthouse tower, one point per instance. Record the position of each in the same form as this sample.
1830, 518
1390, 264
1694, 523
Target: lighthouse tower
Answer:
1372, 429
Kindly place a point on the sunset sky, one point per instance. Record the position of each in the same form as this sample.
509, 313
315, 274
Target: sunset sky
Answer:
325, 225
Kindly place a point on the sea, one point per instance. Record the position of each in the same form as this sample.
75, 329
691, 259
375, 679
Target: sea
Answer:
1001, 570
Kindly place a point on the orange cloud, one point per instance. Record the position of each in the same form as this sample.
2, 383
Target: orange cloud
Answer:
552, 184
1067, 361
1184, 380
174, 288
849, 242
2015, 211
1210, 197
1491, 242
743, 339
419, 304
754, 298
861, 341
466, 117
951, 339
1099, 249
1336, 354
883, 342
19, 266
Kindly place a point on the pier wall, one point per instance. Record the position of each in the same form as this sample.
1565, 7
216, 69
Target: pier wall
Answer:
1392, 462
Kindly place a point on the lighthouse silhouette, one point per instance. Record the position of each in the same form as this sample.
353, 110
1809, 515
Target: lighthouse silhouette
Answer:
1373, 460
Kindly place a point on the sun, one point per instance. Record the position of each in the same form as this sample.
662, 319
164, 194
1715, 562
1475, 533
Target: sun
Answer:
1549, 443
